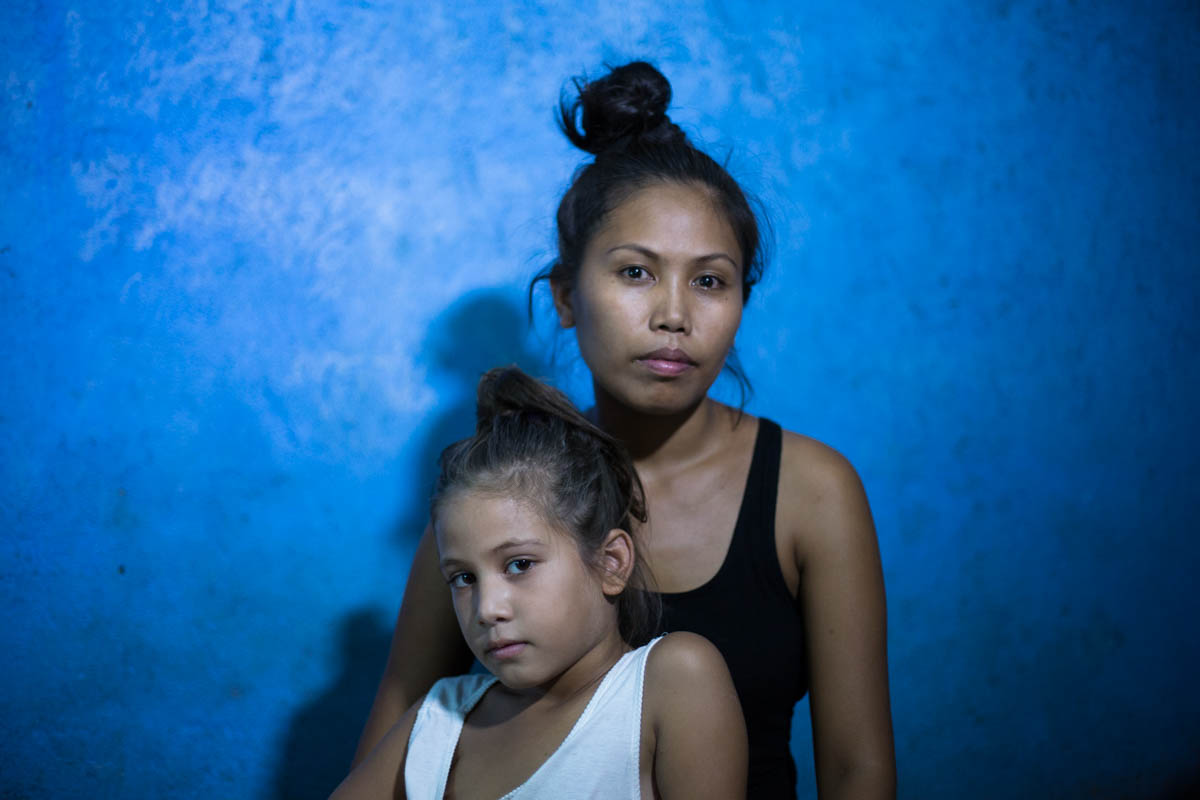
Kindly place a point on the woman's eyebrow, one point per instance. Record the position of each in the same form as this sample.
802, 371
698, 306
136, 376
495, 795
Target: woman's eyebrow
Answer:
717, 257
637, 248
648, 253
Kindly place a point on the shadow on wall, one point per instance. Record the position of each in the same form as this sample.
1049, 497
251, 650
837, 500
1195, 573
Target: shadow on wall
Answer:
323, 734
482, 330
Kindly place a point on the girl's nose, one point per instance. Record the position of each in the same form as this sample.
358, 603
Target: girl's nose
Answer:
492, 602
670, 308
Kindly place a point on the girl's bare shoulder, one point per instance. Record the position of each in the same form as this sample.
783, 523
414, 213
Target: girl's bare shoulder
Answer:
684, 672
691, 720
683, 655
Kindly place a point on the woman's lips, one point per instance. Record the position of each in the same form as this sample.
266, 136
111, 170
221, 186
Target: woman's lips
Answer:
667, 361
502, 651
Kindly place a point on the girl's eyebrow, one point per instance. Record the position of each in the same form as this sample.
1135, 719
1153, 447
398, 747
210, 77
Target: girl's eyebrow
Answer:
507, 544
513, 544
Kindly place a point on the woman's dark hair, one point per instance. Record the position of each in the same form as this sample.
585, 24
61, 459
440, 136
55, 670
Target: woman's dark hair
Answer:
530, 442
623, 122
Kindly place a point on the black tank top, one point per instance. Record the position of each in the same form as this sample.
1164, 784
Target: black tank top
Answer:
747, 611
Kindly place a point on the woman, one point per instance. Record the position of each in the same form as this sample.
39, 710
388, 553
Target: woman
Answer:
760, 540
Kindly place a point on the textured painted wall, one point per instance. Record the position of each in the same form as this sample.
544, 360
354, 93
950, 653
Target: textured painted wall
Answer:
252, 256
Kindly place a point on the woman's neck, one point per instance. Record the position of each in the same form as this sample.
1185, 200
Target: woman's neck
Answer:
653, 439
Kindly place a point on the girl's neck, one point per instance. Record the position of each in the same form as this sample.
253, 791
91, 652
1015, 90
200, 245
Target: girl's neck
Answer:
652, 439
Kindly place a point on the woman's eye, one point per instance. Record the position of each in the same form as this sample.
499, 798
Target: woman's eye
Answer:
460, 580
634, 272
518, 566
710, 282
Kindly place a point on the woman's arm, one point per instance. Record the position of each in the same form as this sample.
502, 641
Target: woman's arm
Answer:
381, 773
696, 721
845, 619
426, 645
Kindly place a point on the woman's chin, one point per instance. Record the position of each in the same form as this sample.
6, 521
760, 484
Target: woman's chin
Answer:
666, 399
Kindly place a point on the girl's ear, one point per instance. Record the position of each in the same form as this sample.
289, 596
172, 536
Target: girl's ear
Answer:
561, 293
616, 561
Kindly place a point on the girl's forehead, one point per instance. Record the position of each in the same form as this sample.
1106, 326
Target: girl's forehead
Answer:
474, 520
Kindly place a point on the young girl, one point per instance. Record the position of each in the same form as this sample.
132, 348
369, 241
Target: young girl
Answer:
761, 540
533, 520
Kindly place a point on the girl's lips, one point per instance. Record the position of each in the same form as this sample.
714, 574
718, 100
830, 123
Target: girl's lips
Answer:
506, 651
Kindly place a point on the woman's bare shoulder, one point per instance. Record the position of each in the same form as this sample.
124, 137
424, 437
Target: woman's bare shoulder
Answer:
820, 492
811, 472
807, 458
813, 465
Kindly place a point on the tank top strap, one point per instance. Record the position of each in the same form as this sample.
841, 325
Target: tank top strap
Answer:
746, 604
435, 732
762, 484
753, 542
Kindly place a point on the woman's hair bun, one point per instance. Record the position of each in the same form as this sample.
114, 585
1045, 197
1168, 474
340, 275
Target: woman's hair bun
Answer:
628, 106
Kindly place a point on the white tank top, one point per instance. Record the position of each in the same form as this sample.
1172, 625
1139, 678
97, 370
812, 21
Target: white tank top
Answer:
598, 758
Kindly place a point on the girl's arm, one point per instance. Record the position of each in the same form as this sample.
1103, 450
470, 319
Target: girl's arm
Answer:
381, 773
426, 645
845, 619
695, 720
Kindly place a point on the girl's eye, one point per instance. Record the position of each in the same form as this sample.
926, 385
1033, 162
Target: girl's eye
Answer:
518, 566
710, 282
634, 272
461, 580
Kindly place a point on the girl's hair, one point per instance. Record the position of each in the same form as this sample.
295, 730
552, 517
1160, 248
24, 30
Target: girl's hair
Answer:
530, 442
624, 124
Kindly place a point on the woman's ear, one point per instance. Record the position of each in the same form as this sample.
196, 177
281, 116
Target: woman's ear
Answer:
616, 561
561, 292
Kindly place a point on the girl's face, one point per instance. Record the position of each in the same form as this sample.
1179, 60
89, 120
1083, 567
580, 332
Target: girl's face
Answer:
527, 604
658, 298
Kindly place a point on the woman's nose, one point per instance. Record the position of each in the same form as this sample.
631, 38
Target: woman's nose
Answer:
670, 308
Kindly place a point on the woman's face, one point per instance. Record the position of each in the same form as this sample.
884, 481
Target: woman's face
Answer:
658, 299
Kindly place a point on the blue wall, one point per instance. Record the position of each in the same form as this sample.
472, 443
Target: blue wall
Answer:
252, 256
